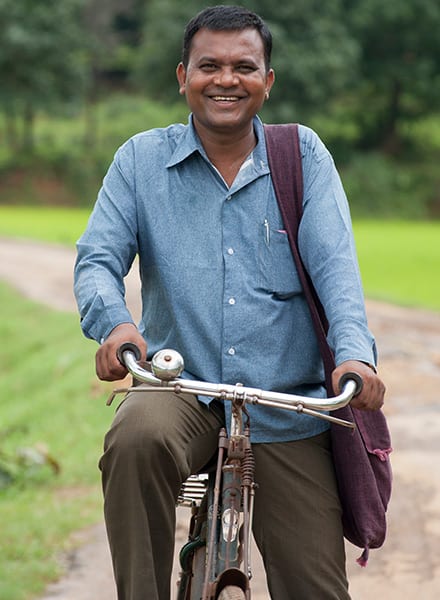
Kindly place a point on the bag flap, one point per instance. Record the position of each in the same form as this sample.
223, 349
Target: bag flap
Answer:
373, 428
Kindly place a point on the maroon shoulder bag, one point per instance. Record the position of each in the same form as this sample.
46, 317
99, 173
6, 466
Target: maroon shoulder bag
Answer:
361, 456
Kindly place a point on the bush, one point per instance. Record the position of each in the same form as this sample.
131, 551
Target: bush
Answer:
74, 149
378, 186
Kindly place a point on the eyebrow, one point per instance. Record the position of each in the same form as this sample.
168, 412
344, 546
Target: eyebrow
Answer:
245, 60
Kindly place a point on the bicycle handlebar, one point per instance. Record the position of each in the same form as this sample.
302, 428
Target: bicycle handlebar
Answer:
167, 365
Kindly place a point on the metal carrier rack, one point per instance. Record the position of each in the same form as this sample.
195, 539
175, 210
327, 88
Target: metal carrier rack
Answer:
193, 490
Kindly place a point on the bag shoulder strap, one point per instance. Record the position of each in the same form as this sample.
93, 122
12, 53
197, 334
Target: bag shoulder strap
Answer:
284, 156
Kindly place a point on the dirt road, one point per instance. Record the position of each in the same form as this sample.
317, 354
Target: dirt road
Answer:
408, 567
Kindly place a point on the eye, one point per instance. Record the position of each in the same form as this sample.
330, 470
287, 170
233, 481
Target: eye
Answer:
245, 68
208, 67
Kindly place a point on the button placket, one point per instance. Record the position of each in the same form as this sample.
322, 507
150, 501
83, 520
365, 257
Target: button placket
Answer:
230, 283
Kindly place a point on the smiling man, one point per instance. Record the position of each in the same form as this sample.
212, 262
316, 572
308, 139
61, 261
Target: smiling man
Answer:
196, 203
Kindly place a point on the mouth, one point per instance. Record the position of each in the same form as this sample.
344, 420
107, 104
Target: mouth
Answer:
225, 98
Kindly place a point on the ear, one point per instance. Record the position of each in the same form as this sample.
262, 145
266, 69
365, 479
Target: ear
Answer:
181, 77
270, 80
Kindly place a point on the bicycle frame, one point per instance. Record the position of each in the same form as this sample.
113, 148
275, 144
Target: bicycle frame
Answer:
217, 554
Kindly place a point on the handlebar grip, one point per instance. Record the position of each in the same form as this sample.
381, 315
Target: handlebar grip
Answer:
128, 346
351, 375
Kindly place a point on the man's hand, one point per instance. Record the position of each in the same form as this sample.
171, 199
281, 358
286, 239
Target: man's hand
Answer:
372, 394
108, 367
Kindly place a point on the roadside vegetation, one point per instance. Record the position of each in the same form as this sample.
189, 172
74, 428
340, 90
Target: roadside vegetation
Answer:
52, 421
68, 162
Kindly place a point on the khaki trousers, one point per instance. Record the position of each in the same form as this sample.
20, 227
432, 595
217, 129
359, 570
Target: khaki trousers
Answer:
157, 440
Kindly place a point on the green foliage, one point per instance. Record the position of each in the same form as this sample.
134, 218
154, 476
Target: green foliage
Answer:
161, 47
114, 29
67, 169
399, 67
39, 45
41, 60
364, 73
378, 186
74, 149
51, 402
314, 56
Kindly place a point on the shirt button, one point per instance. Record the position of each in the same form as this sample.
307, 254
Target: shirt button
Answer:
231, 301
229, 198
230, 251
231, 351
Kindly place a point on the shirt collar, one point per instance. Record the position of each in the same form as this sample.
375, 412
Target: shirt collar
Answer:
189, 143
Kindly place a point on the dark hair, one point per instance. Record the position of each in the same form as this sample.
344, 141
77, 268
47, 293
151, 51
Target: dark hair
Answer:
226, 18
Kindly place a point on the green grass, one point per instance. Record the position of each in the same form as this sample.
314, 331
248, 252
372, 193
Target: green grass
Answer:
400, 261
47, 224
49, 396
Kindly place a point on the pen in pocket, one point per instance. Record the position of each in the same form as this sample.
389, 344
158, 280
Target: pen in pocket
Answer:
266, 231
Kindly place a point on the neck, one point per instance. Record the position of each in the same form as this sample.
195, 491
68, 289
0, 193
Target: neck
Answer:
228, 151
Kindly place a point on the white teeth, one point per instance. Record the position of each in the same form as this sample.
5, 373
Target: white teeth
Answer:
225, 98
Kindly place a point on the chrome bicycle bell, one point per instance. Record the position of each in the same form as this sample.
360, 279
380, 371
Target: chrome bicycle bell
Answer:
167, 364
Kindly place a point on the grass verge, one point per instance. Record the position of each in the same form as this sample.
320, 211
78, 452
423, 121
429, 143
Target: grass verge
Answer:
47, 224
400, 261
50, 398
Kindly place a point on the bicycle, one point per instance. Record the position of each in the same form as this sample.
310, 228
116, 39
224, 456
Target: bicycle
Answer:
215, 562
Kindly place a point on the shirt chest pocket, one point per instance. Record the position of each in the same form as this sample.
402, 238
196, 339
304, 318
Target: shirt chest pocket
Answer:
278, 274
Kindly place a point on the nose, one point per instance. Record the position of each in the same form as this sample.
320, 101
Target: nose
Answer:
226, 77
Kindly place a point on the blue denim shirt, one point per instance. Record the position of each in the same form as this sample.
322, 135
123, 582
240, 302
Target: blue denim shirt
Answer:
218, 280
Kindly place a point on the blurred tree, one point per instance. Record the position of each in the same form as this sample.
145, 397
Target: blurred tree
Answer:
314, 56
160, 49
399, 68
115, 27
41, 61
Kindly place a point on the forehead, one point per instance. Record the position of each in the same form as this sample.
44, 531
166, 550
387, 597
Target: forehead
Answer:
246, 43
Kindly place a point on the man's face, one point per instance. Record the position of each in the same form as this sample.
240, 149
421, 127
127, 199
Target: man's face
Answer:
225, 82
